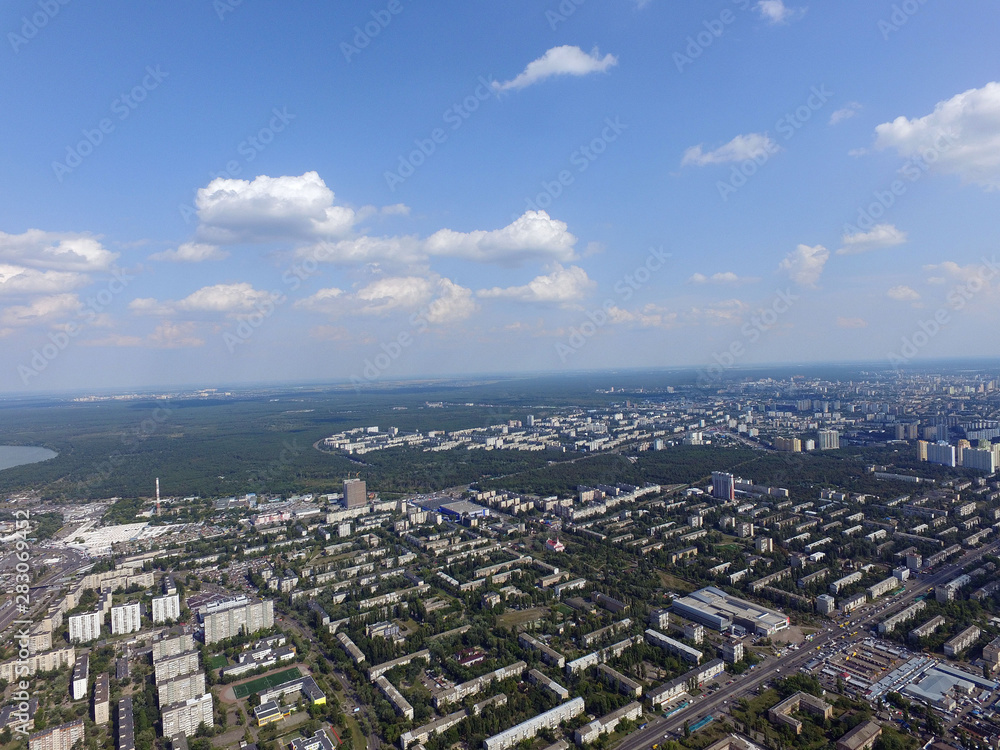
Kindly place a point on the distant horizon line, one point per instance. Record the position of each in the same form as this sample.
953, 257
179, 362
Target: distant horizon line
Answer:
383, 385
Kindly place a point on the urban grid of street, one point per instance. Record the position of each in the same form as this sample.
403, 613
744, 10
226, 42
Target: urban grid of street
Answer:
661, 728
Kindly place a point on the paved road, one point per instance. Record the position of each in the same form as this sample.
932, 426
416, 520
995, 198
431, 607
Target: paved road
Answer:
792, 660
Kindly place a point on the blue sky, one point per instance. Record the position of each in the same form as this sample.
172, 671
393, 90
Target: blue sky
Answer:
212, 192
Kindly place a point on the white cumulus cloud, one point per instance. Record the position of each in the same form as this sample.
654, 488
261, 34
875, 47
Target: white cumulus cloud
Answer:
438, 300
845, 113
18, 280
270, 208
776, 12
804, 265
191, 252
903, 293
723, 277
564, 60
58, 251
47, 310
225, 299
533, 235
562, 286
961, 136
881, 235
741, 148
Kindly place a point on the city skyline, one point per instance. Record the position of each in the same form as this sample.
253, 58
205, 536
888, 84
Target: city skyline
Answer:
379, 194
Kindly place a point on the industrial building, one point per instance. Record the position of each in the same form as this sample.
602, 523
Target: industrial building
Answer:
716, 609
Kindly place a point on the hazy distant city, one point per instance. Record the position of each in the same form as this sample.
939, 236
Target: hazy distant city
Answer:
532, 375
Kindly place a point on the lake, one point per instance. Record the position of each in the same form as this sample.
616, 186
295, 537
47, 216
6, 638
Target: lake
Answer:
18, 455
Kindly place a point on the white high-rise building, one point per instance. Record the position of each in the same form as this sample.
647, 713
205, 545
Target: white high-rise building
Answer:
126, 618
941, 453
185, 717
247, 618
166, 608
85, 627
828, 440
983, 460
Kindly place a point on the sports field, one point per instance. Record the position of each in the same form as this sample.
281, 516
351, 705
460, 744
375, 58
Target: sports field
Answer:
267, 681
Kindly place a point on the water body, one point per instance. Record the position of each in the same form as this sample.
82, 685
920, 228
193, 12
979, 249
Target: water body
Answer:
18, 455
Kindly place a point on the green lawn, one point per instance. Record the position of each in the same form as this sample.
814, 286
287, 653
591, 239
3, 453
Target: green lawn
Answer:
267, 681
218, 662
